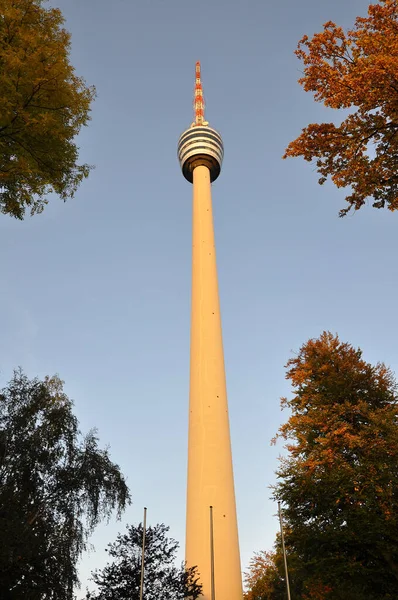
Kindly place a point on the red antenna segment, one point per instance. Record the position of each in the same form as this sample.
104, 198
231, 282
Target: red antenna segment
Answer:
199, 102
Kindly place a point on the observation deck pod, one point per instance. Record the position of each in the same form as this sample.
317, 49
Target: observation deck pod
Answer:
200, 145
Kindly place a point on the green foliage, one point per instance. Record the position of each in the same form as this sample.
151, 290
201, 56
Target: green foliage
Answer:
43, 105
55, 487
339, 483
120, 579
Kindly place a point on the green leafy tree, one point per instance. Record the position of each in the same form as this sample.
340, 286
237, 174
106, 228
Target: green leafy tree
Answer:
339, 482
355, 70
120, 579
43, 105
55, 487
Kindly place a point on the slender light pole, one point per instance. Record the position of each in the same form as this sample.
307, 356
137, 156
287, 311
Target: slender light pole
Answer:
213, 587
143, 556
284, 551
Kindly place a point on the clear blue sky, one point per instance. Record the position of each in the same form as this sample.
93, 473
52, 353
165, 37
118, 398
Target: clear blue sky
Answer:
98, 289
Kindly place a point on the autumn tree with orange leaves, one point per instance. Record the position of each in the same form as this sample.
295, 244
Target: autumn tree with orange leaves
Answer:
357, 70
263, 579
43, 105
339, 481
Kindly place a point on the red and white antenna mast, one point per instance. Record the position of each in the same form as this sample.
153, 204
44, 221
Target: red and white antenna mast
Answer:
199, 101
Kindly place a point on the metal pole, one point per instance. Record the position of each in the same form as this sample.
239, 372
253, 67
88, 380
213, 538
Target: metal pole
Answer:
213, 587
284, 551
143, 555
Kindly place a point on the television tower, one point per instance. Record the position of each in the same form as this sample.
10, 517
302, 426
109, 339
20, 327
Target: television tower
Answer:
212, 542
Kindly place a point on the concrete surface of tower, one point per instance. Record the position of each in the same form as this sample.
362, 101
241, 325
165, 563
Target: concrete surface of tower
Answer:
210, 473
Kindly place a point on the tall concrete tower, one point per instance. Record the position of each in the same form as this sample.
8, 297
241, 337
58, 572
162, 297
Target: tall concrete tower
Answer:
211, 527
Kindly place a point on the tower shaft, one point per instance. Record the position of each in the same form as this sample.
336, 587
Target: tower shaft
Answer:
210, 472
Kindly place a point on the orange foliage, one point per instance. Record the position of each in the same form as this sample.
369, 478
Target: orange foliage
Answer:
262, 580
317, 591
339, 480
343, 416
356, 70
